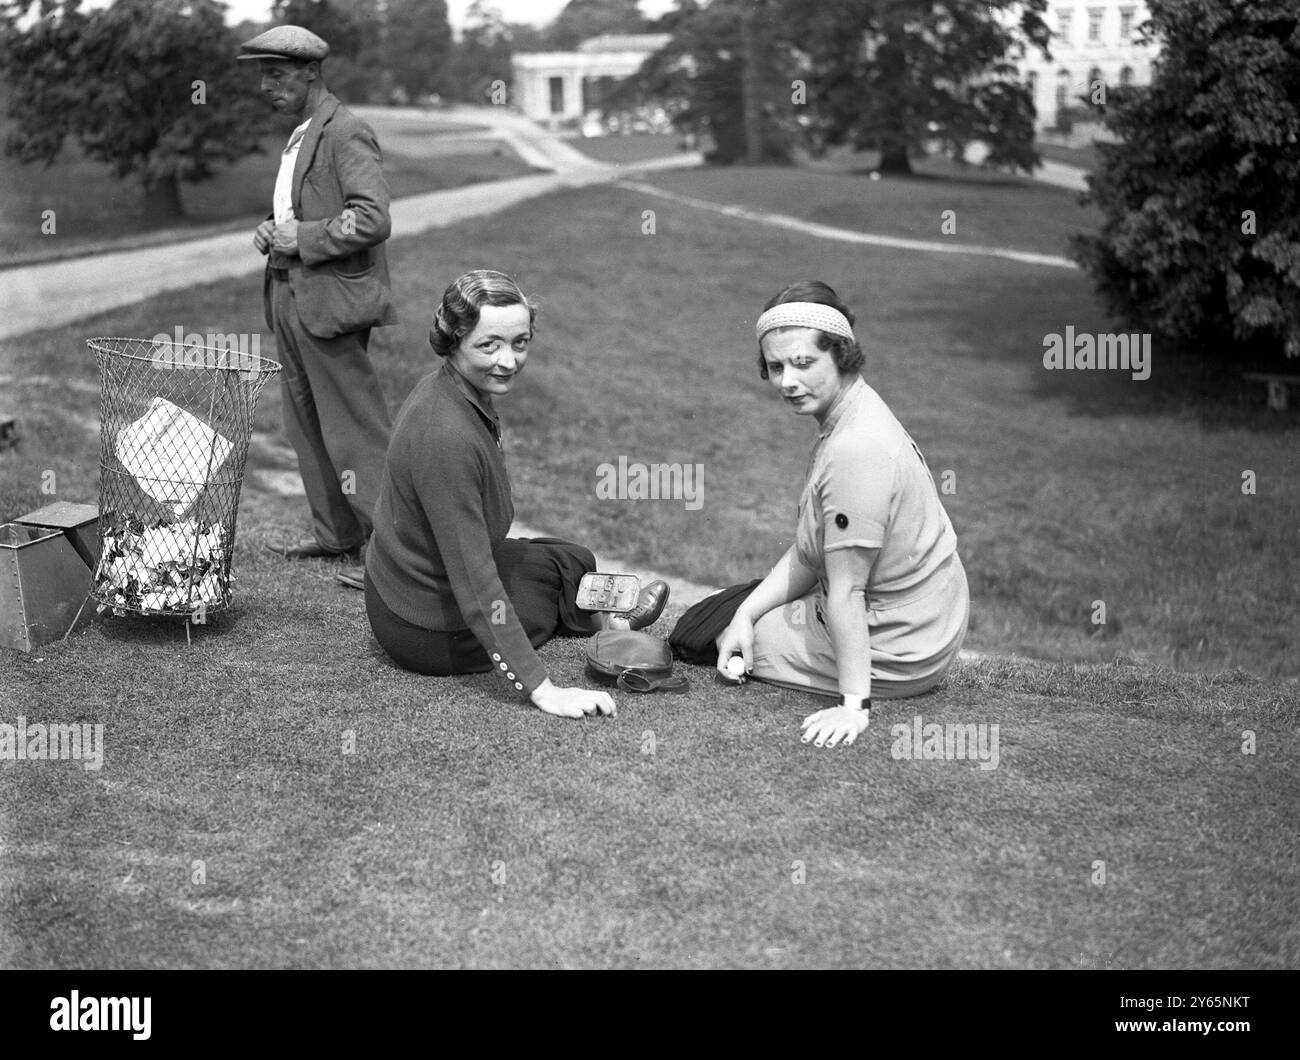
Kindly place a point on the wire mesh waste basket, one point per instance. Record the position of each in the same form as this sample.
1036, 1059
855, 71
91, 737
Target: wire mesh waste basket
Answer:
175, 425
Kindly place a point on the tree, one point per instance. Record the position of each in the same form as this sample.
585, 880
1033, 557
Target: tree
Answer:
1201, 241
581, 20
353, 69
344, 28
525, 37
724, 76
892, 75
151, 88
895, 74
482, 56
418, 45
378, 51
751, 86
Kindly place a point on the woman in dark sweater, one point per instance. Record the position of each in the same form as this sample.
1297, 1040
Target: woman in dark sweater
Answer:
446, 591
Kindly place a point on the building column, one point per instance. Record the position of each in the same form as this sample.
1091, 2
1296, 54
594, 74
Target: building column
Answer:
573, 94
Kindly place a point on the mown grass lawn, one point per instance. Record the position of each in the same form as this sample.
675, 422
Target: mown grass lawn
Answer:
468, 829
694, 830
940, 202
93, 210
619, 150
1085, 156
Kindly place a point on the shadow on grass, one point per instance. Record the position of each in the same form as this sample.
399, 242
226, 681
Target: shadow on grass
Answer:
165, 630
1212, 392
1184, 383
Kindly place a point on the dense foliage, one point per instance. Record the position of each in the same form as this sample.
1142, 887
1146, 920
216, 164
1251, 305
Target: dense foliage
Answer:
1201, 243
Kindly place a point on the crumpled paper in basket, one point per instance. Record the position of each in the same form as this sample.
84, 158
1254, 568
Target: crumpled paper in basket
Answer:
162, 567
171, 453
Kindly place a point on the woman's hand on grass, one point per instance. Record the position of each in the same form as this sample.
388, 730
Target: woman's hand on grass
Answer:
572, 702
736, 639
828, 727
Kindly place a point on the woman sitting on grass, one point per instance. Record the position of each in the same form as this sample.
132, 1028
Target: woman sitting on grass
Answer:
446, 591
871, 600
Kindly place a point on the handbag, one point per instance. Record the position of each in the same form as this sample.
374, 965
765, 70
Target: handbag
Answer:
635, 661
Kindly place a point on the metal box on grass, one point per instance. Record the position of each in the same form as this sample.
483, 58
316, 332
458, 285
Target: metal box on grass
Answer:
79, 521
43, 583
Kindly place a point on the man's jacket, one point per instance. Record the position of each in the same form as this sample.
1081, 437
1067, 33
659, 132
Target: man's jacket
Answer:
340, 198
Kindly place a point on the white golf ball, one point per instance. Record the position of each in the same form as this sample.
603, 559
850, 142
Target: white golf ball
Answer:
736, 666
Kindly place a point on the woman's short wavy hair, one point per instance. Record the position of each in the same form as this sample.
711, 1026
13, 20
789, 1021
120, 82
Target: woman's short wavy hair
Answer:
846, 353
457, 315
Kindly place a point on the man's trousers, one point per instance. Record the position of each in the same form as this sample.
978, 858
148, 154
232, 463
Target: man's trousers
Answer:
337, 421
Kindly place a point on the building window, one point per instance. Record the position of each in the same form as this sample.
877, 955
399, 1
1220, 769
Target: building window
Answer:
557, 94
1062, 93
1126, 23
1063, 18
1094, 23
1126, 76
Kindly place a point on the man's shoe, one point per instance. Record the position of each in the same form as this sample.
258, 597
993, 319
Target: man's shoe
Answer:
650, 603
307, 548
352, 577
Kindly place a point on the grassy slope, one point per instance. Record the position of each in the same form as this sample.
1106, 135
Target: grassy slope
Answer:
1085, 157
623, 149
1069, 487
93, 209
617, 857
988, 209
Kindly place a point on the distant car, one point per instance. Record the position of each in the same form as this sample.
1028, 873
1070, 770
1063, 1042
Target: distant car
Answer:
592, 126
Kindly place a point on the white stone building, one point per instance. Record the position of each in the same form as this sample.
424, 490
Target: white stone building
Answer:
555, 87
1092, 40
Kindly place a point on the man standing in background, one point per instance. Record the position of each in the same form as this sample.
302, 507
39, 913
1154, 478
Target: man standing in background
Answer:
325, 287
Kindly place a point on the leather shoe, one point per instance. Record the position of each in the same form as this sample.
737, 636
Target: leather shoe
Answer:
307, 548
352, 577
650, 603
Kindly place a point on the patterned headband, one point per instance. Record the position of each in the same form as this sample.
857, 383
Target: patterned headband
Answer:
804, 315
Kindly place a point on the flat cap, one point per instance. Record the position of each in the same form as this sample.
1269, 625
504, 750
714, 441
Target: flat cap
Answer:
285, 42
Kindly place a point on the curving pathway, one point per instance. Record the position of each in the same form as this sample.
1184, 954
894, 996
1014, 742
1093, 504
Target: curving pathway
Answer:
52, 293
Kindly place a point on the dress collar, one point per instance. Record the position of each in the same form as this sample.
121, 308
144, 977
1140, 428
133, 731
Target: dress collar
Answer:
482, 404
848, 400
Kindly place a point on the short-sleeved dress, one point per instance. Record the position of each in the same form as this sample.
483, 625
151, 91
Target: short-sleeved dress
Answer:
868, 486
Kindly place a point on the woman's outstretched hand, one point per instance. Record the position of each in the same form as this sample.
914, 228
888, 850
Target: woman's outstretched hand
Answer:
572, 702
828, 727
736, 639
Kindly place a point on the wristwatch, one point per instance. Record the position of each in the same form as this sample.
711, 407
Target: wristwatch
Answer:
857, 702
